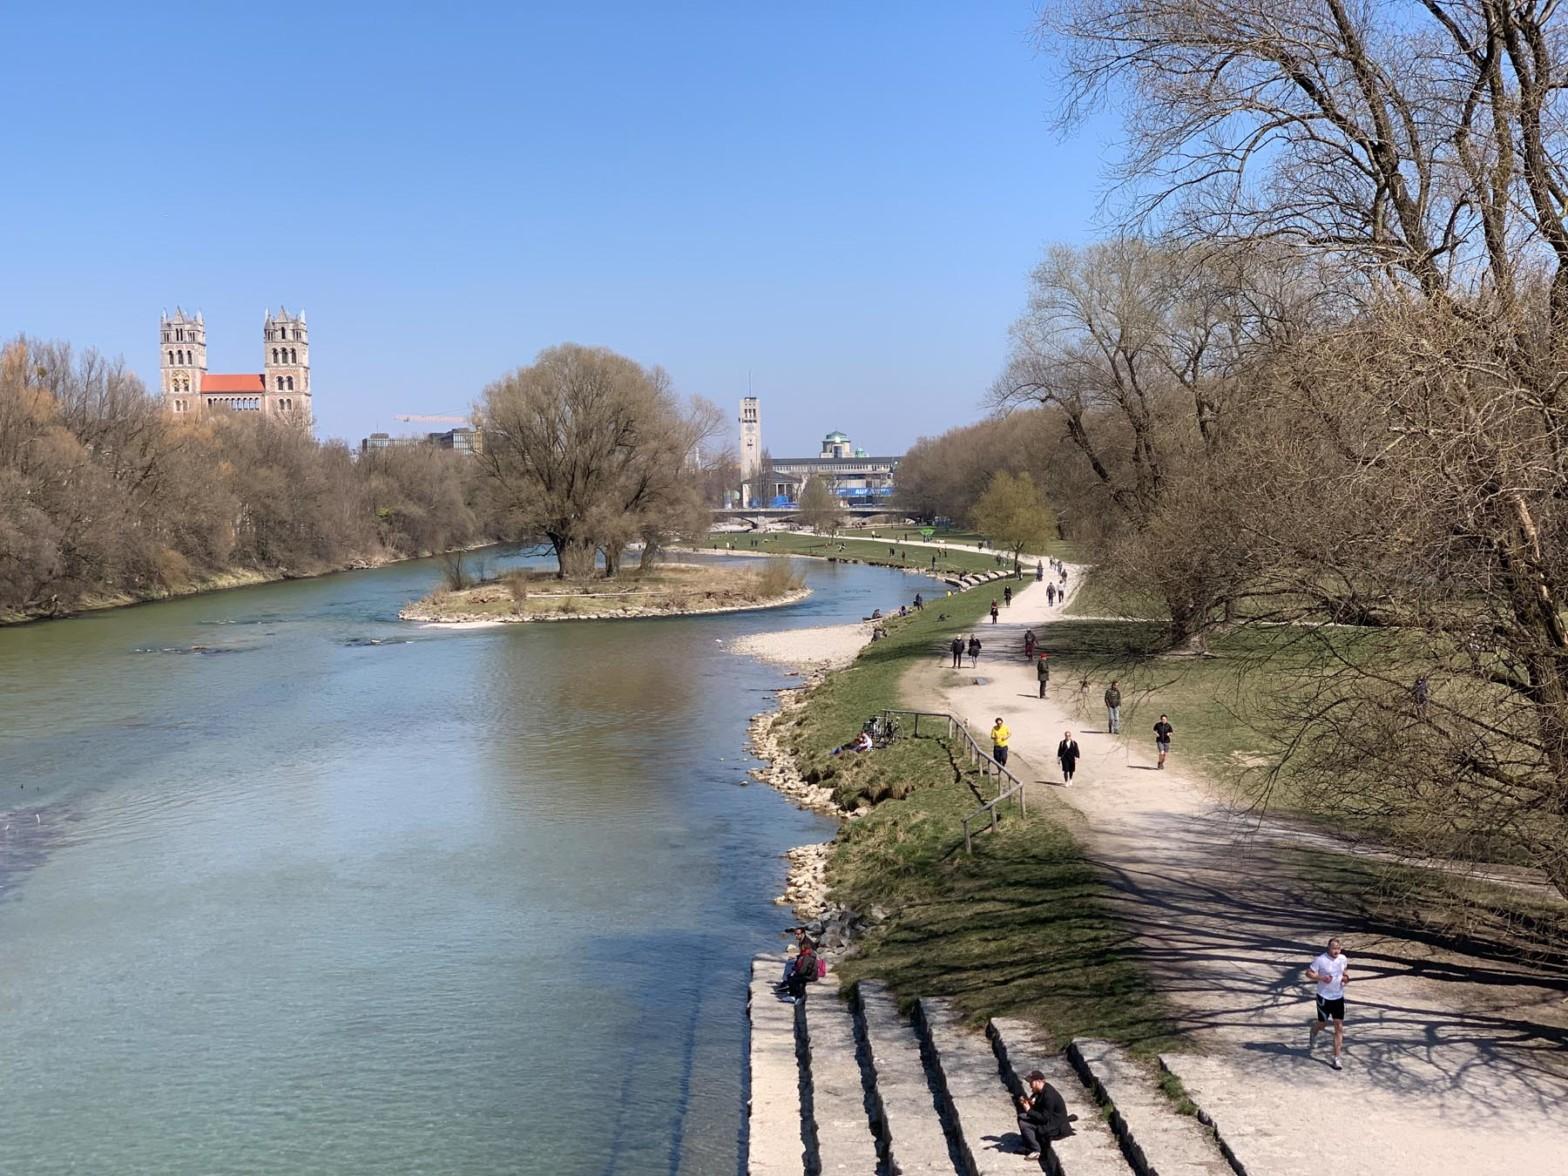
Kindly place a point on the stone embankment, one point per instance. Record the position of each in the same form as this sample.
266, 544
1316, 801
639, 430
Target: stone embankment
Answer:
844, 1083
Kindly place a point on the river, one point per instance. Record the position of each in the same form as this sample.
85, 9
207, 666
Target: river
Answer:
287, 885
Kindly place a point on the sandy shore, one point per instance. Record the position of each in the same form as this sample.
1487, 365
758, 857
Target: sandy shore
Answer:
807, 650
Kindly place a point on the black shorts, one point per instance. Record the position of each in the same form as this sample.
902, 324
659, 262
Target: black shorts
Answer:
1331, 1010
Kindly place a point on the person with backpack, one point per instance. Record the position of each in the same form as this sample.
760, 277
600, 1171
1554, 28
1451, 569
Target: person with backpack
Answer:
1042, 672
1113, 709
1050, 596
957, 650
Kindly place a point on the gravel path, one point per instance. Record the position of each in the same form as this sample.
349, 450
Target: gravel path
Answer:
1454, 1061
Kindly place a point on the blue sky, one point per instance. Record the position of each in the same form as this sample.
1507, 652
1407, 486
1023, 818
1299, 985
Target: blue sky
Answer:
844, 200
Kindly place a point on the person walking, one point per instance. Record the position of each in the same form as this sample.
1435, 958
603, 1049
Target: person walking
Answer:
1162, 738
974, 651
1067, 755
1050, 595
999, 737
994, 610
1042, 1116
1422, 692
1331, 972
1039, 570
1113, 708
1030, 641
957, 648
1042, 672
1007, 596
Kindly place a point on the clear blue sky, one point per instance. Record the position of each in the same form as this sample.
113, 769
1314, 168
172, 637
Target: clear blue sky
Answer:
844, 200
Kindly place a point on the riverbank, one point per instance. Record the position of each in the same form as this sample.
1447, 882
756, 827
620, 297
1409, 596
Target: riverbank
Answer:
665, 590
203, 585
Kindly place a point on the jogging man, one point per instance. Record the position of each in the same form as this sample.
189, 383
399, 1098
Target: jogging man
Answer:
1331, 972
999, 737
1162, 738
1113, 708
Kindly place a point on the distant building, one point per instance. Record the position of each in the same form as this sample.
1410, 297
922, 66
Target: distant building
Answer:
855, 477
750, 439
467, 441
280, 389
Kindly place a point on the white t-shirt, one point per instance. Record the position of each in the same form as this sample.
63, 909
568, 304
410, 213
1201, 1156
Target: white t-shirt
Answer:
1331, 975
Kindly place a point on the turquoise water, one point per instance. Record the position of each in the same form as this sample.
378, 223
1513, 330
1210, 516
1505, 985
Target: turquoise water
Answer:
287, 885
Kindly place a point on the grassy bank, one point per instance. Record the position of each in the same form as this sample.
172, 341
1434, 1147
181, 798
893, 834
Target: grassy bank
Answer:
666, 589
1019, 928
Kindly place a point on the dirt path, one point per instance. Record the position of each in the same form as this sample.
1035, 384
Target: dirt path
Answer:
1453, 1062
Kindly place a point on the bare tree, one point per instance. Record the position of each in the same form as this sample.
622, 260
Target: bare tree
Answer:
820, 509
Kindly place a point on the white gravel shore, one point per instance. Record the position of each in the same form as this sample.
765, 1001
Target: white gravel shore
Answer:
806, 650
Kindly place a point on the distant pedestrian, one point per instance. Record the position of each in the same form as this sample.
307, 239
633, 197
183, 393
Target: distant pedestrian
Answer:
920, 602
1162, 738
1113, 708
1331, 972
1422, 692
1042, 673
1067, 756
999, 737
933, 561
994, 611
957, 648
974, 651
1030, 641
1039, 571
1007, 596
1050, 595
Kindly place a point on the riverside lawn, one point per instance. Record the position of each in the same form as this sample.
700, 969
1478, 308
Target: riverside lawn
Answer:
1021, 927
870, 551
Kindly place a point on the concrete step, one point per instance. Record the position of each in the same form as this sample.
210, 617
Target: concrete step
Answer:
1021, 1048
916, 1142
1154, 1136
1265, 1150
776, 1145
979, 1105
842, 1119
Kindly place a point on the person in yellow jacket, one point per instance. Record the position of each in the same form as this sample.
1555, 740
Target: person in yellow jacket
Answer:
999, 737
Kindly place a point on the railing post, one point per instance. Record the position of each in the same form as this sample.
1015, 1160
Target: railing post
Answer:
917, 724
993, 818
968, 845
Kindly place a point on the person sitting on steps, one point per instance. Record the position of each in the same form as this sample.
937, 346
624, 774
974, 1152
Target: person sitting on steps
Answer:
1042, 1116
807, 967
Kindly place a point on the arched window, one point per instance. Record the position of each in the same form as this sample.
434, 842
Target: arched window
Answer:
280, 383
293, 355
274, 355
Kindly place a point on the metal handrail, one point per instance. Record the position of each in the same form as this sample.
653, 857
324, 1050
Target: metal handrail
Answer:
1008, 785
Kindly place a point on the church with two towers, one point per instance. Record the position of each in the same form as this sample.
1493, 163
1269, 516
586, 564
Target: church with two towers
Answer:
280, 389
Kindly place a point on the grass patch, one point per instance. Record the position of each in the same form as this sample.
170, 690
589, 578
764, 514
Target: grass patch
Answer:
1099, 596
1020, 928
1171, 1087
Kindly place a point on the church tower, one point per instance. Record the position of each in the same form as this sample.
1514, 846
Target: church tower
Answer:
182, 360
286, 365
751, 448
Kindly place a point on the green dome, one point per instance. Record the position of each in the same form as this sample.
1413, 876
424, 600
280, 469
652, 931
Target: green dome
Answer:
835, 437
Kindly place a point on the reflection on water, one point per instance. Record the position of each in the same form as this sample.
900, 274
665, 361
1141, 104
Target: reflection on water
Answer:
377, 897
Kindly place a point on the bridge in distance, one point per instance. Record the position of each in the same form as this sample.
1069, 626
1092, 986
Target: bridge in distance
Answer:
788, 512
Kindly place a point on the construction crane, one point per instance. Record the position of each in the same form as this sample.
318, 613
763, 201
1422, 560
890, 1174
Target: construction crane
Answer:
438, 419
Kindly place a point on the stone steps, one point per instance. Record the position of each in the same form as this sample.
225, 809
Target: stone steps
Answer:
853, 1087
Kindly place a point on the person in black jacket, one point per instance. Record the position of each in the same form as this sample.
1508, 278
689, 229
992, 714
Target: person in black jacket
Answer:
1067, 756
1042, 1115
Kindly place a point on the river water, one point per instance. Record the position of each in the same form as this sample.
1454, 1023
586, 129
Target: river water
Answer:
287, 885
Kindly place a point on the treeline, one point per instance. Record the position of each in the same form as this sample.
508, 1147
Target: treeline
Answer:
1319, 383
102, 494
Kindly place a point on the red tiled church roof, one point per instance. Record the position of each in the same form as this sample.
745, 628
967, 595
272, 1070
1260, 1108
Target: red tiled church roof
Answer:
239, 382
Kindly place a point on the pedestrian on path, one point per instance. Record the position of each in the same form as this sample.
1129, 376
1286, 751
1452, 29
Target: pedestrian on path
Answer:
1162, 738
1050, 595
994, 610
957, 648
1030, 641
1007, 596
1331, 972
999, 737
1067, 755
1042, 671
1039, 570
1042, 1116
974, 651
1113, 708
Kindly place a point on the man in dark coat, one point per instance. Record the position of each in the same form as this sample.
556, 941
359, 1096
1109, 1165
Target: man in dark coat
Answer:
1042, 1115
957, 648
1067, 756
